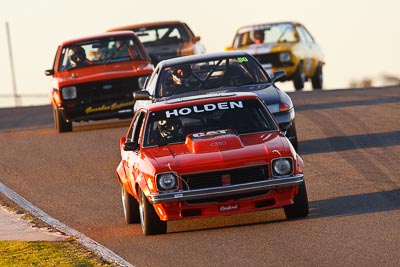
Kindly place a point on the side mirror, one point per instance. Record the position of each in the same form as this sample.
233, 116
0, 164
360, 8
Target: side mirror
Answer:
122, 140
130, 146
49, 72
196, 39
284, 126
278, 76
142, 95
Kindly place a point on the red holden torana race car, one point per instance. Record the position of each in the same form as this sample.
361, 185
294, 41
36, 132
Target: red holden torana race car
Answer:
204, 156
93, 78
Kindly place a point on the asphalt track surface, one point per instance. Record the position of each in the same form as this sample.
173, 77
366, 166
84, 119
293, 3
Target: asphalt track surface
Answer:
350, 143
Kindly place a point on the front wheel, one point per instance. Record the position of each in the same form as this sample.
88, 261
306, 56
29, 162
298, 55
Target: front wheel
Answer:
151, 223
317, 79
130, 207
299, 208
291, 134
60, 123
299, 78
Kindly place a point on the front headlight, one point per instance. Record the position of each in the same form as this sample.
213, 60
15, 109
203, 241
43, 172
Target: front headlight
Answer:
285, 57
68, 92
282, 166
274, 108
166, 181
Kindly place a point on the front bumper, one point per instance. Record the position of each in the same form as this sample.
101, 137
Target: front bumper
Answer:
226, 190
106, 110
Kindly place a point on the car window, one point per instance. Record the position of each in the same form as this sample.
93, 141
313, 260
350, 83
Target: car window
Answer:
279, 33
304, 35
101, 51
209, 74
161, 35
134, 131
270, 33
188, 30
240, 117
151, 84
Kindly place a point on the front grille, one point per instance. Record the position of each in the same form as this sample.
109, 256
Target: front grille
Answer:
225, 177
109, 90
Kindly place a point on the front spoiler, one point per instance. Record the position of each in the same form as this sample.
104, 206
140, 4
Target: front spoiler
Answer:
223, 191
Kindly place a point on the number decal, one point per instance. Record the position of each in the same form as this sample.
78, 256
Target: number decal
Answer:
242, 59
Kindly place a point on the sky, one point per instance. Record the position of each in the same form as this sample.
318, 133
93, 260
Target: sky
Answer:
360, 39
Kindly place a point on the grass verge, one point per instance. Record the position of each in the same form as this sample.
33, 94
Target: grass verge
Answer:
45, 253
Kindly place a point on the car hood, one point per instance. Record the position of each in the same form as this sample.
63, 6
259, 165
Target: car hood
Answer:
216, 150
103, 72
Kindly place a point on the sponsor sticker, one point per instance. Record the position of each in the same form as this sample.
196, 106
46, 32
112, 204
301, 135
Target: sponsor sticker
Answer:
204, 108
229, 207
212, 133
114, 106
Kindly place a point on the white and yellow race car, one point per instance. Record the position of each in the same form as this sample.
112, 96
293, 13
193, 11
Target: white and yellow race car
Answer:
286, 46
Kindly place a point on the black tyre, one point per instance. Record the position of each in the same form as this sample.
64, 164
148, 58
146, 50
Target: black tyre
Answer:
317, 80
291, 134
300, 207
60, 123
151, 223
130, 207
299, 78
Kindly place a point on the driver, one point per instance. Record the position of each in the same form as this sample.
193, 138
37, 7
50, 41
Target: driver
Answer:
77, 57
181, 75
258, 37
171, 129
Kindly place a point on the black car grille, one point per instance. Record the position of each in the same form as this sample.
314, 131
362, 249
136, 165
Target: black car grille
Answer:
109, 90
272, 58
225, 177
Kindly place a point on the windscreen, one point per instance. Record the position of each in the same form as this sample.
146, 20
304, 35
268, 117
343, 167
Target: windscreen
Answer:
239, 116
161, 35
100, 51
210, 74
265, 34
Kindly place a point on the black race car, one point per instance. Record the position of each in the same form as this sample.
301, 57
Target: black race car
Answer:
234, 71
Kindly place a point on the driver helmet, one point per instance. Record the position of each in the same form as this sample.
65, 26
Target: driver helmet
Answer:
180, 76
258, 36
170, 128
77, 56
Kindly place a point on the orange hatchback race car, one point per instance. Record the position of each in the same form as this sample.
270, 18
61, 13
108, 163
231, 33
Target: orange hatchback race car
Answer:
93, 78
283, 46
204, 156
166, 39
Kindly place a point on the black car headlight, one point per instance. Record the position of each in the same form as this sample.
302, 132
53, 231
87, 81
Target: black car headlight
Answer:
282, 166
68, 92
166, 181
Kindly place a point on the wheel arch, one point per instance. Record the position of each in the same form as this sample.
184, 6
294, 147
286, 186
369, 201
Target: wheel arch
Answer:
142, 184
